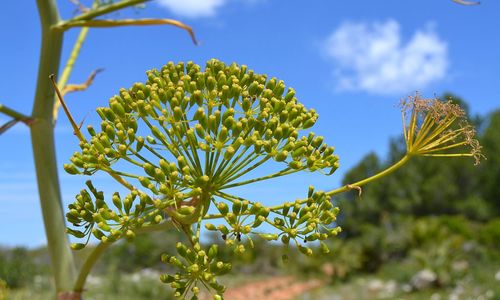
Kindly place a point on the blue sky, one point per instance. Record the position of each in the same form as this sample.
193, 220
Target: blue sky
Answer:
350, 60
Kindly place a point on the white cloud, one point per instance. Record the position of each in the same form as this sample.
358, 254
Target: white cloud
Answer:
372, 57
192, 8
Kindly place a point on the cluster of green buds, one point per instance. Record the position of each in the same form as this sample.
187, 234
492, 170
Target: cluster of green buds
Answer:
305, 220
196, 267
178, 141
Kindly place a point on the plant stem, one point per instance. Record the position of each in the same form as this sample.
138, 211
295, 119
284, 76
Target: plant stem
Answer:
12, 113
68, 68
99, 250
42, 137
347, 187
385, 172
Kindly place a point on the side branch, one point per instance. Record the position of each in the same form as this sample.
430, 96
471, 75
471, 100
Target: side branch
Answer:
99, 250
75, 88
66, 110
14, 114
126, 22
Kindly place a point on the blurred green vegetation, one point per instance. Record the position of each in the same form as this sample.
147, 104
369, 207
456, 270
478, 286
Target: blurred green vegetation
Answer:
430, 229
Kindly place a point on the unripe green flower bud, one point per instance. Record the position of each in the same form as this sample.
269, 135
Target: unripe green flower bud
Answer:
71, 169
158, 218
210, 226
117, 201
223, 208
223, 229
129, 235
77, 246
269, 236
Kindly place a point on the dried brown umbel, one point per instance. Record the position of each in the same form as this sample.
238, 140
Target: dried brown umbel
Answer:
433, 127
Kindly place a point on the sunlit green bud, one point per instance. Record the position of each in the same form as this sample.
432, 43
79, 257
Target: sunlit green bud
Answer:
186, 210
217, 297
167, 278
71, 169
211, 83
223, 134
304, 218
279, 222
157, 219
75, 233
210, 226
164, 165
117, 201
239, 249
285, 239
228, 154
77, 246
265, 211
117, 108
196, 291
309, 123
223, 208
299, 152
235, 90
218, 287
181, 162
258, 221
194, 268
295, 164
145, 182
212, 123
127, 203
140, 143
223, 229
178, 113
165, 258
231, 217
149, 169
174, 261
269, 236
104, 226
129, 235
97, 233
159, 175
229, 122
305, 250
236, 207
181, 249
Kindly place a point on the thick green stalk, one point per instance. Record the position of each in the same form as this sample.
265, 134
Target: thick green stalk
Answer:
42, 137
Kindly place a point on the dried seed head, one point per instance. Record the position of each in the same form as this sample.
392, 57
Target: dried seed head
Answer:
433, 127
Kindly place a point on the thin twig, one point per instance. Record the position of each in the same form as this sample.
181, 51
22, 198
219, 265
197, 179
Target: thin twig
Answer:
76, 129
82, 86
7, 126
463, 2
127, 22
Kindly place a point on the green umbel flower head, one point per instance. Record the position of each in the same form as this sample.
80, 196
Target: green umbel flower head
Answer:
178, 141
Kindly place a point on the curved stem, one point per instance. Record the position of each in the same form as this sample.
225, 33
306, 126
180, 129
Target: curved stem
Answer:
385, 172
347, 187
99, 250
